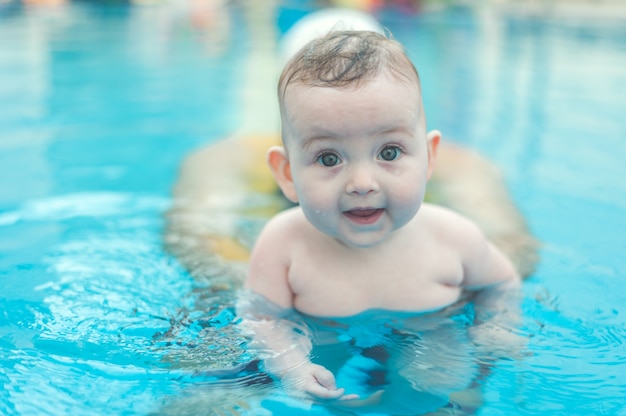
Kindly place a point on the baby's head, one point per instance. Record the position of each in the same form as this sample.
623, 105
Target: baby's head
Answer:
356, 155
347, 59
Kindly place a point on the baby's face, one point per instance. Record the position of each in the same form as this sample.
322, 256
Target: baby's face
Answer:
359, 157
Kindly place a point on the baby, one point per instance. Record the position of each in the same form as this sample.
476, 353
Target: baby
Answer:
357, 159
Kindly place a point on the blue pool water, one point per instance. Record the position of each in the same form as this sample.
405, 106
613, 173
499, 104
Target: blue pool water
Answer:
99, 104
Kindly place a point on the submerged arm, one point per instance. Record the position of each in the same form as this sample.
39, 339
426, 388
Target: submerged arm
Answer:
495, 288
496, 331
285, 346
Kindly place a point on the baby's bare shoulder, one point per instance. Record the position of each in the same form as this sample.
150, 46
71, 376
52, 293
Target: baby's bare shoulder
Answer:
448, 225
270, 247
288, 218
289, 223
437, 214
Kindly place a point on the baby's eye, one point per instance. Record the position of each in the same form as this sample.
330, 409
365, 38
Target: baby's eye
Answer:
390, 153
328, 159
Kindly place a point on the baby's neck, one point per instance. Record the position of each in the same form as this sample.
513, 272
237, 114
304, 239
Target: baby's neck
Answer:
394, 240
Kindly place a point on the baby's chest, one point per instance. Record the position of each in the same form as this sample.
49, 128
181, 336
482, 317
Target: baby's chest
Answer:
348, 286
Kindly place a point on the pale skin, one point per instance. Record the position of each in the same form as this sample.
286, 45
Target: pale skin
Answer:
357, 160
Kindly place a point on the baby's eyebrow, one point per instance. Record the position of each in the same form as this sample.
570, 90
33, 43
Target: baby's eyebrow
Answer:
324, 135
395, 130
309, 141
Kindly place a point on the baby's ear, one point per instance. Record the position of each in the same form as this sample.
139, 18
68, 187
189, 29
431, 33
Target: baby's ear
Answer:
279, 164
432, 142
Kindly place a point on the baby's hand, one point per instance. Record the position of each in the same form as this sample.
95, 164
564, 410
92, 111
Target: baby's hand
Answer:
316, 381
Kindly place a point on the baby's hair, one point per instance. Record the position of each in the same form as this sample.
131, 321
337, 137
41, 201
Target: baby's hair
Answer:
346, 58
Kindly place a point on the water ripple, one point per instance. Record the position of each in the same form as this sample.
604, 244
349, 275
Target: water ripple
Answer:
84, 204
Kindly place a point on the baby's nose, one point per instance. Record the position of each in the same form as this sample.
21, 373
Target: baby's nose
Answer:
362, 180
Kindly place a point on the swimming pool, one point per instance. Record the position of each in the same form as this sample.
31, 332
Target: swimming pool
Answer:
100, 104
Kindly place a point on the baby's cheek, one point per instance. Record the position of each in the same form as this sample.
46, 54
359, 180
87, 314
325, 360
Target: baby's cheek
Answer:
321, 219
319, 194
408, 200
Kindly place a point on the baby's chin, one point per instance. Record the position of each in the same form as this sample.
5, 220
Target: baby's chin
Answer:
363, 242
375, 238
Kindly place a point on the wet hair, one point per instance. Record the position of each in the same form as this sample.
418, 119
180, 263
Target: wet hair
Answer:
343, 59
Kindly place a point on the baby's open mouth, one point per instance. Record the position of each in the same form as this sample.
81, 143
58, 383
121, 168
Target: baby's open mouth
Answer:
364, 215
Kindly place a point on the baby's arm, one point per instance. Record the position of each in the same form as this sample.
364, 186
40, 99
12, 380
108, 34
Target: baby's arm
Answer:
287, 348
269, 262
472, 185
495, 283
484, 264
